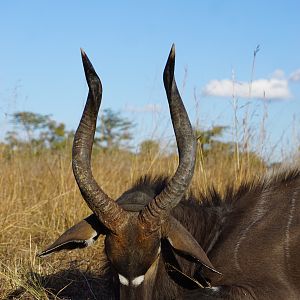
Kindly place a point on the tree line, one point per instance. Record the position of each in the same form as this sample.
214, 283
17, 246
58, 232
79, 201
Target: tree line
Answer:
37, 132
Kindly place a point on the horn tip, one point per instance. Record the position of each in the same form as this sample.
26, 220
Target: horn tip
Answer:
83, 54
88, 67
173, 48
172, 52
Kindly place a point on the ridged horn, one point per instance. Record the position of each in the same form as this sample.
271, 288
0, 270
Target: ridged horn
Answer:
156, 211
106, 209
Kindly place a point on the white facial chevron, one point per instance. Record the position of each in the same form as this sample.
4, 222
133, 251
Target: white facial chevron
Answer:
135, 282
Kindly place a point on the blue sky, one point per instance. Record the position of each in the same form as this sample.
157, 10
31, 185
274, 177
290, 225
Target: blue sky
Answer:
128, 43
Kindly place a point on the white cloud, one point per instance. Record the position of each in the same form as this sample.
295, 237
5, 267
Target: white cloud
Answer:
278, 73
152, 108
295, 76
266, 89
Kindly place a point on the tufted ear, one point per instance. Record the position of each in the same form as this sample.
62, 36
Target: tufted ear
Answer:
184, 243
81, 235
174, 270
184, 280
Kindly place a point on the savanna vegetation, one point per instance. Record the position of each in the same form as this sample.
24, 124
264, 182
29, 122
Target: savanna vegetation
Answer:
40, 199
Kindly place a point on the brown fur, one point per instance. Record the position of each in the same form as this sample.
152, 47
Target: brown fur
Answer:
251, 236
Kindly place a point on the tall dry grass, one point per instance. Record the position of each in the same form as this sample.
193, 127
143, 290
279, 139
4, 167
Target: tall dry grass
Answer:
39, 200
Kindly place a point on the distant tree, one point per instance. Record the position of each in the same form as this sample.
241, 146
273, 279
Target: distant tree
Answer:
149, 147
208, 140
40, 132
12, 139
30, 121
114, 131
211, 146
56, 136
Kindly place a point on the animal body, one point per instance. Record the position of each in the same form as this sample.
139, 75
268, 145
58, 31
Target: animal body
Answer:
163, 245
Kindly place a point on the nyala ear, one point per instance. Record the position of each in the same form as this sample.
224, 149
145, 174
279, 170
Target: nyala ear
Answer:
184, 280
175, 272
81, 235
183, 242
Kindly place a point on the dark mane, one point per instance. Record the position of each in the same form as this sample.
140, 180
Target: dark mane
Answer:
149, 184
271, 180
153, 185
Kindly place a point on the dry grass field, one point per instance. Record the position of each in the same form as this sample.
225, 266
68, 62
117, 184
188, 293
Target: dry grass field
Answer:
40, 199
